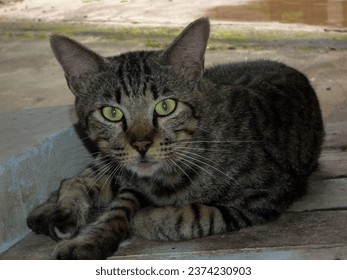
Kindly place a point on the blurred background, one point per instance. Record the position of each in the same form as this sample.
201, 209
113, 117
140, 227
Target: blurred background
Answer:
173, 12
310, 35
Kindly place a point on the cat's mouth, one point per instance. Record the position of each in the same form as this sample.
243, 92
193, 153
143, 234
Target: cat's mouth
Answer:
144, 167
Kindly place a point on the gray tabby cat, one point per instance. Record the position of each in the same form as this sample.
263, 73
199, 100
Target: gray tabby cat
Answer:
183, 152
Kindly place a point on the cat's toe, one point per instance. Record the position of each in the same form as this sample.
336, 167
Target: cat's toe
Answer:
64, 223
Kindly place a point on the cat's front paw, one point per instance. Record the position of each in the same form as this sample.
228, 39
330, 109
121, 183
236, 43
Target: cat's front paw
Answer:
84, 248
54, 220
78, 249
39, 219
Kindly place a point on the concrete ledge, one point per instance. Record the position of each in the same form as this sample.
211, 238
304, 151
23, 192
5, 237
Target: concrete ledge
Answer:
38, 148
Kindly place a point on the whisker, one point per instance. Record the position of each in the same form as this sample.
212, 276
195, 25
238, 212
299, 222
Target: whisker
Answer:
176, 164
206, 164
198, 166
194, 154
108, 179
104, 168
103, 171
201, 149
216, 141
95, 165
190, 167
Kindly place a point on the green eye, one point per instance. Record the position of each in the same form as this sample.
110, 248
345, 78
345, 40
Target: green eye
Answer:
112, 114
165, 107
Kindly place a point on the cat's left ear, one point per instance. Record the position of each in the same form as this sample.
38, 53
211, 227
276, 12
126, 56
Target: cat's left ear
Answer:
188, 49
75, 59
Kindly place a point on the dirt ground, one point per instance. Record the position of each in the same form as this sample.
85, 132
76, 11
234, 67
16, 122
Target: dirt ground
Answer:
30, 76
120, 12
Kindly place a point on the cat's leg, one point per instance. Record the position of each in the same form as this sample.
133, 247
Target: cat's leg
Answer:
67, 210
194, 221
101, 238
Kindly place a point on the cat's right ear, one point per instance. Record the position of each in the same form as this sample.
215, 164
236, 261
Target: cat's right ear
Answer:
75, 59
188, 49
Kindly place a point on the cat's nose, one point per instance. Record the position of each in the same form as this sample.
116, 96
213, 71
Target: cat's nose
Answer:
142, 146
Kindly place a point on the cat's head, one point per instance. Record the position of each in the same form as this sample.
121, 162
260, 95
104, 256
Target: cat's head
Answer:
138, 107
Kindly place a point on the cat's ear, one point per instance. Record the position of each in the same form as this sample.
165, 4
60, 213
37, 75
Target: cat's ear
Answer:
188, 49
75, 59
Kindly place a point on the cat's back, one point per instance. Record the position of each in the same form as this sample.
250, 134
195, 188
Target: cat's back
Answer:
275, 85
275, 103
252, 72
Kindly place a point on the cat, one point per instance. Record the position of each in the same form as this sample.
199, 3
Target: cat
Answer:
184, 152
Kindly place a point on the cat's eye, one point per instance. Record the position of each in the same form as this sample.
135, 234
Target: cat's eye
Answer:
165, 107
112, 114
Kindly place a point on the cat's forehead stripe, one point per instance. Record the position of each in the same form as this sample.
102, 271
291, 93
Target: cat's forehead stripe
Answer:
119, 76
133, 74
118, 96
154, 91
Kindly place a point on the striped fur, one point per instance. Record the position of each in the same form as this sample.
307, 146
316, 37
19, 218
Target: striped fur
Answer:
236, 150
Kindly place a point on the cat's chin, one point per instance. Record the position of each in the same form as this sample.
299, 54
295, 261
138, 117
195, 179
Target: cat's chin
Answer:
144, 169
